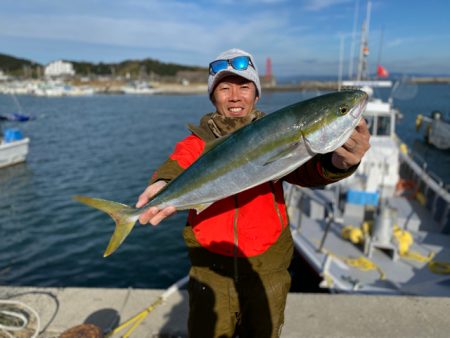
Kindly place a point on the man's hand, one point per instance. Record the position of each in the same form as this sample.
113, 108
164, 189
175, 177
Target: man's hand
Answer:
153, 215
354, 149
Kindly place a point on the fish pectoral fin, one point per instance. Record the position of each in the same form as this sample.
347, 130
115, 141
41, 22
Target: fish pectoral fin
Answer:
284, 153
211, 144
200, 207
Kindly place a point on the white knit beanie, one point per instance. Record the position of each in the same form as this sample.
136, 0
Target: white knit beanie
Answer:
250, 73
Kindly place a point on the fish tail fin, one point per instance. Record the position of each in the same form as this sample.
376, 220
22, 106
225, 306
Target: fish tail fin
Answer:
122, 214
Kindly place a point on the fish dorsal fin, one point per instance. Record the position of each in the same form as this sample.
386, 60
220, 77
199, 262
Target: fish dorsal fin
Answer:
213, 143
204, 134
208, 137
284, 153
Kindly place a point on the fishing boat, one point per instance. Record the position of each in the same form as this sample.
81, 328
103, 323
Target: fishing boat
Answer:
383, 230
437, 129
139, 88
13, 147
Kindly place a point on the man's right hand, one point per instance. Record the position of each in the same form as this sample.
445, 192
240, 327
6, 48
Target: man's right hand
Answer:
153, 215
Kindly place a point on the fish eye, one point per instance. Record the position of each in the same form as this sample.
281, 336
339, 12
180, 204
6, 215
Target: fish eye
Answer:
343, 109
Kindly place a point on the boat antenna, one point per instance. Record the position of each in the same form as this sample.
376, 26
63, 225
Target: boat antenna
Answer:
352, 48
17, 103
341, 61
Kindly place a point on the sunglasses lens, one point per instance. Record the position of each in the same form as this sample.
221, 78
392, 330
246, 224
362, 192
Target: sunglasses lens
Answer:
240, 62
218, 65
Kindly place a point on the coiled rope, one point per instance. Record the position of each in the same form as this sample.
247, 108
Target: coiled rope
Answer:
15, 315
361, 263
404, 240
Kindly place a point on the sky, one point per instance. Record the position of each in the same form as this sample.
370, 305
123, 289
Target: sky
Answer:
301, 37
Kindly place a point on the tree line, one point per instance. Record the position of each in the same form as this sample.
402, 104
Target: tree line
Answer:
19, 67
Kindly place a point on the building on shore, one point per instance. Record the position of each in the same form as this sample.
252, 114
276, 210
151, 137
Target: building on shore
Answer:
59, 68
3, 76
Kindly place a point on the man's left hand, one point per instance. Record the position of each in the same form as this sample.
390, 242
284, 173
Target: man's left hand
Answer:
353, 150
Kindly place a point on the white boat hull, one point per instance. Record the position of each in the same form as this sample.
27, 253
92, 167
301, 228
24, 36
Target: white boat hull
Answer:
13, 152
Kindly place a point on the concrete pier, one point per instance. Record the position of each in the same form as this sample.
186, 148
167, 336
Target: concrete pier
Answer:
307, 315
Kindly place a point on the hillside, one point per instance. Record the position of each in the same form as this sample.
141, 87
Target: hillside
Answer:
132, 67
14, 66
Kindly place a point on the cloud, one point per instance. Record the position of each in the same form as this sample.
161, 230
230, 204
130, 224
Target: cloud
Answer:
172, 28
293, 33
252, 2
399, 42
317, 5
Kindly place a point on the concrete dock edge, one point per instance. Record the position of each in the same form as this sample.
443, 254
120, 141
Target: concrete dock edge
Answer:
307, 315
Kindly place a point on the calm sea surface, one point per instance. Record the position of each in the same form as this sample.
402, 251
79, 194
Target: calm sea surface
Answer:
108, 147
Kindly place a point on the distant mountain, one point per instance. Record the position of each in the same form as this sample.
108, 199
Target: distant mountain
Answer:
14, 66
134, 68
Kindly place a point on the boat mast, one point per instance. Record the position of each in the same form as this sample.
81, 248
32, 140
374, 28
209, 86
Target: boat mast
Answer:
352, 48
364, 50
341, 62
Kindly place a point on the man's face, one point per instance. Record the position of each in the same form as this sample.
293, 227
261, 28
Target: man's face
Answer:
235, 96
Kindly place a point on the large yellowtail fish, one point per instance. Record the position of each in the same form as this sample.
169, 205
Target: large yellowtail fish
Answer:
264, 150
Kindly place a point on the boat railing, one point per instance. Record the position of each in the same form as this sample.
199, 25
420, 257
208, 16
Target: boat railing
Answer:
436, 197
419, 160
420, 166
313, 195
424, 166
437, 179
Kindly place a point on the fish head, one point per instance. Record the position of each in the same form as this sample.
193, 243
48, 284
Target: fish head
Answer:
331, 119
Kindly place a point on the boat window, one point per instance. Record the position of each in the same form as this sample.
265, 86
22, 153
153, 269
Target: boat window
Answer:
369, 121
384, 125
379, 125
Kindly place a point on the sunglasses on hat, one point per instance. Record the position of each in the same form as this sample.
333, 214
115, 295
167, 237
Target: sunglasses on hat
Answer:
238, 63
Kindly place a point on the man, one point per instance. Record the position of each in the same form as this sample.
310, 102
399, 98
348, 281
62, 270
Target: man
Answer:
240, 247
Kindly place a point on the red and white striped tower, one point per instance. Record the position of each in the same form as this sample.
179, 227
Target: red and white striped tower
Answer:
268, 70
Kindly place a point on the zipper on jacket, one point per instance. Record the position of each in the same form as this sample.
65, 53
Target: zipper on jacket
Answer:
236, 239
272, 187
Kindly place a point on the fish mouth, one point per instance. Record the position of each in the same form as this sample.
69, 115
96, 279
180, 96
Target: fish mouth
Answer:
358, 109
356, 113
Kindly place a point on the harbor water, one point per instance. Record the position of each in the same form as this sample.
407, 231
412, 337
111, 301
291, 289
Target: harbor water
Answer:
108, 147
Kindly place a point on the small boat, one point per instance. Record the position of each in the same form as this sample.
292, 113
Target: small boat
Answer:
437, 129
20, 117
13, 147
139, 88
